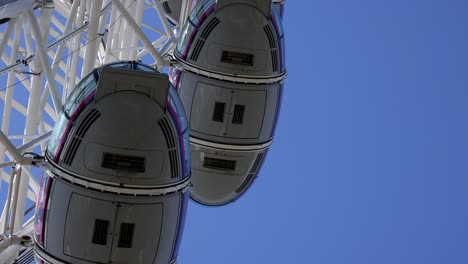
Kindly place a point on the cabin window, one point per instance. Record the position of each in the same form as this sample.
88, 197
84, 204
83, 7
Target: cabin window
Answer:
185, 37
80, 94
41, 207
57, 135
199, 10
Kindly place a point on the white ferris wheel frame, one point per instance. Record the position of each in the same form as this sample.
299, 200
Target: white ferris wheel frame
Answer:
44, 53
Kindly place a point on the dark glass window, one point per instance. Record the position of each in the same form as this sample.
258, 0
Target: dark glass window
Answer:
80, 94
185, 36
41, 204
200, 9
57, 134
192, 23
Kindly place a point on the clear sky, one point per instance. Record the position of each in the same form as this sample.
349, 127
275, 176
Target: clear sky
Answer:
370, 160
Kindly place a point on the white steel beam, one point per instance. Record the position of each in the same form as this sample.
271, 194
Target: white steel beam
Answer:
138, 19
6, 36
126, 33
8, 98
58, 55
40, 50
76, 44
92, 37
167, 28
6, 209
140, 33
36, 141
112, 35
10, 147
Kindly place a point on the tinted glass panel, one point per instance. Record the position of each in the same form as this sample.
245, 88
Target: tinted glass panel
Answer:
57, 135
277, 20
200, 9
194, 20
41, 204
80, 94
185, 36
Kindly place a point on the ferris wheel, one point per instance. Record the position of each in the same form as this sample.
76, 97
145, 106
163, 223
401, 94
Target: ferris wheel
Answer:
48, 47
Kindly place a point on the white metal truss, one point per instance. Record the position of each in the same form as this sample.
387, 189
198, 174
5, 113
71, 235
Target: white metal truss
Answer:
44, 53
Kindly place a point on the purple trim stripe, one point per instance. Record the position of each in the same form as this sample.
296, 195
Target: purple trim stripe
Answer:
174, 76
192, 35
77, 112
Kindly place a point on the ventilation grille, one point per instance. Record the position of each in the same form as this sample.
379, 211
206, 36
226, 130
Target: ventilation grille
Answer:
252, 173
166, 8
274, 53
204, 35
257, 163
237, 58
174, 163
80, 132
121, 162
171, 145
167, 131
245, 183
238, 117
126, 235
218, 112
274, 60
219, 164
100, 232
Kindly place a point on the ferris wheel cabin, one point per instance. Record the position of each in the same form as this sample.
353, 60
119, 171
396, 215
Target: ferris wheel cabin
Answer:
117, 171
231, 56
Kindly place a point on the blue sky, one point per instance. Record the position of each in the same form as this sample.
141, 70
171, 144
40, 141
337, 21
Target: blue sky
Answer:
369, 163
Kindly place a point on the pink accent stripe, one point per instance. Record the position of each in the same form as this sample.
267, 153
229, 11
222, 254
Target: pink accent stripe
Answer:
202, 18
174, 76
176, 85
38, 204
181, 136
69, 123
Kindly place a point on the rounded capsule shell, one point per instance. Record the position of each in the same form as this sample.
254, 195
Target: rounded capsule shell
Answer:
232, 56
117, 172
